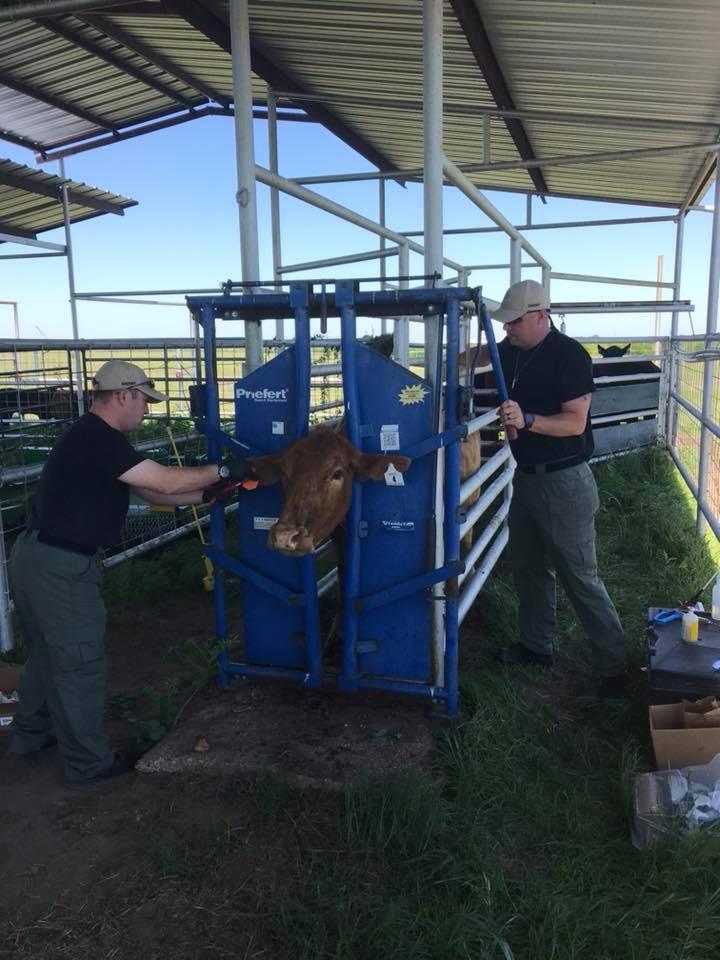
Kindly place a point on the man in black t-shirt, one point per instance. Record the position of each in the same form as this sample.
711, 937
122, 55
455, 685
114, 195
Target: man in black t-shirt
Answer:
552, 513
80, 507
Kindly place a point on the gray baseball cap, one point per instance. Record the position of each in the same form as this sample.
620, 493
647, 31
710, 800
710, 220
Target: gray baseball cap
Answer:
123, 375
522, 297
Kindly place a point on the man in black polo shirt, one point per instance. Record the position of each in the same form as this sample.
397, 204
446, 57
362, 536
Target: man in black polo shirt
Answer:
552, 513
80, 507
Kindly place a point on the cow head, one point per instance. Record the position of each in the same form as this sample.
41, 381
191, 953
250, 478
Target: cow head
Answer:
317, 473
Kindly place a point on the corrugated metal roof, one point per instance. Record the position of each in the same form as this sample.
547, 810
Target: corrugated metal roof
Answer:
78, 76
31, 200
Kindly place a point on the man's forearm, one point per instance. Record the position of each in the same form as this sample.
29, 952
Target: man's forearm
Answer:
558, 425
169, 499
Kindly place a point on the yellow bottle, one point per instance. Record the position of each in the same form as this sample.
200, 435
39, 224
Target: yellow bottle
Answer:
690, 626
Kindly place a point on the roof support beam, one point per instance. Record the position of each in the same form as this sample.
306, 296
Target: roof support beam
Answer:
700, 182
61, 29
54, 191
9, 232
200, 17
115, 32
26, 9
58, 103
469, 19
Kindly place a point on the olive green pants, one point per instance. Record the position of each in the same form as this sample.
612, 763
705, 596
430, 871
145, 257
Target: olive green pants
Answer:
552, 530
62, 685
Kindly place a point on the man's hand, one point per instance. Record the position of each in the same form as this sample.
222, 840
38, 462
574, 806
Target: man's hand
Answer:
512, 416
235, 468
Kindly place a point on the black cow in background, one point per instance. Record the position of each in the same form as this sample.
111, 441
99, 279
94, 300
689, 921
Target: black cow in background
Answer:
46, 403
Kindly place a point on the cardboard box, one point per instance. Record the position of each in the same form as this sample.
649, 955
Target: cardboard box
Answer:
675, 744
9, 679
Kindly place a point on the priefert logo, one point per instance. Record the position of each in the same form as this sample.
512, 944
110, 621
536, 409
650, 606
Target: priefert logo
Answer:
262, 396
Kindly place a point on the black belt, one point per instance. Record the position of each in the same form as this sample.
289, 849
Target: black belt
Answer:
51, 541
550, 467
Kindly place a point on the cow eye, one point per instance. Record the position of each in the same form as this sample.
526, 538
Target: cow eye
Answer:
338, 475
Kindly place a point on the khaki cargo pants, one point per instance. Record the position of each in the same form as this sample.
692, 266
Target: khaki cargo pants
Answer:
62, 684
552, 530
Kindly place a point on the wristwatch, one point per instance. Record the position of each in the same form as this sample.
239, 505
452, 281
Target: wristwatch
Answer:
223, 471
529, 421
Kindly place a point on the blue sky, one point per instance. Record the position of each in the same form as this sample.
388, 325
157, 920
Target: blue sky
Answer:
184, 234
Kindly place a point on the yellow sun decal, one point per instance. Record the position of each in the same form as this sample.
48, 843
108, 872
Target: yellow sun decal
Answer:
413, 394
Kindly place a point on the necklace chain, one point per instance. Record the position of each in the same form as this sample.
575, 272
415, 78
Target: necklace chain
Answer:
517, 373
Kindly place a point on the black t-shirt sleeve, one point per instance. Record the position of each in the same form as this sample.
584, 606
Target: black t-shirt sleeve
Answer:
115, 455
575, 376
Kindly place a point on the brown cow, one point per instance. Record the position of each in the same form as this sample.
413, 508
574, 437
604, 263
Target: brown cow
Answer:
316, 472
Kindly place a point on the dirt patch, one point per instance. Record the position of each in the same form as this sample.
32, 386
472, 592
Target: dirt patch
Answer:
319, 738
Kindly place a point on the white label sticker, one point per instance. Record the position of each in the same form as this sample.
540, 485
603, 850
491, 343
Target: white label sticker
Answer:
393, 477
399, 526
389, 437
278, 427
264, 523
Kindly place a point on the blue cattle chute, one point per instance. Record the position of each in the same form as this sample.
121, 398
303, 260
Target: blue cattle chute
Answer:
394, 412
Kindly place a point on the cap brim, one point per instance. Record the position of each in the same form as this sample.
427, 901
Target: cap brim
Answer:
505, 316
153, 396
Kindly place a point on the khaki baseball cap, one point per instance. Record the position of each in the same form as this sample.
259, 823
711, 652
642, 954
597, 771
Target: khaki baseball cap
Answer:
122, 375
522, 297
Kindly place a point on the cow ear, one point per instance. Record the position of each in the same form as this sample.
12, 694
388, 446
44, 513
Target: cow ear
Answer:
266, 469
374, 465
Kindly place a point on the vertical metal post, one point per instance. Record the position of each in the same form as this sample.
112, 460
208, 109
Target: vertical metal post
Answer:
275, 200
344, 300
78, 385
433, 229
485, 139
16, 320
528, 209
546, 278
7, 641
708, 373
383, 267
673, 371
217, 513
452, 491
245, 160
300, 300
515, 260
401, 344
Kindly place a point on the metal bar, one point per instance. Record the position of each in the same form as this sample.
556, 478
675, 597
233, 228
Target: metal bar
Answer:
491, 466
476, 583
77, 384
485, 139
299, 297
337, 261
556, 225
275, 232
624, 281
421, 582
39, 8
351, 584
31, 242
471, 23
403, 686
488, 495
629, 415
709, 370
515, 260
693, 410
137, 130
7, 641
317, 200
703, 506
624, 306
245, 161
481, 544
477, 423
452, 504
382, 211
401, 346
455, 175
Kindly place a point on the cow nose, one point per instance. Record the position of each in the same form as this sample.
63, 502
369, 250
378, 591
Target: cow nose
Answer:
290, 539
